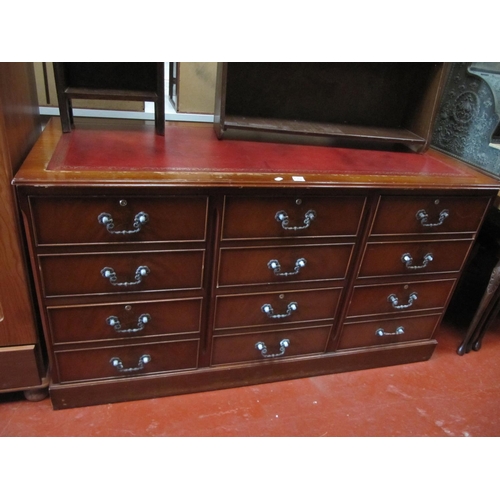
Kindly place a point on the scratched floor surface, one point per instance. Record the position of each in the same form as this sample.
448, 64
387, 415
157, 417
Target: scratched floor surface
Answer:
448, 395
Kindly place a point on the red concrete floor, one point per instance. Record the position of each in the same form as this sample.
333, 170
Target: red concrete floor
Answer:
449, 395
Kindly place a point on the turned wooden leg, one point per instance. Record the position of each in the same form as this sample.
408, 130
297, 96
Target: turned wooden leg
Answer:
477, 339
35, 395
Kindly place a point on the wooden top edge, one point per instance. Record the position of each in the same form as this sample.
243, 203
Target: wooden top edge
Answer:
34, 172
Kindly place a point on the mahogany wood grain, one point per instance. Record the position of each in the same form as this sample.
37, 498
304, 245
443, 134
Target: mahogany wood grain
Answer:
398, 214
19, 367
88, 364
373, 299
256, 217
242, 348
91, 322
247, 266
71, 274
19, 127
246, 310
364, 334
386, 259
74, 220
19, 110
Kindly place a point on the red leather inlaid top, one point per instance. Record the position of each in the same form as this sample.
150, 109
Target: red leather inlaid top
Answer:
194, 148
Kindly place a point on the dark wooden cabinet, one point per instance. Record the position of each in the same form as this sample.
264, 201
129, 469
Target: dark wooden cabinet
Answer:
380, 105
198, 271
22, 365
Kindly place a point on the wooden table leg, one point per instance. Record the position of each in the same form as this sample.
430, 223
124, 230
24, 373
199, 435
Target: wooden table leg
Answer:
484, 315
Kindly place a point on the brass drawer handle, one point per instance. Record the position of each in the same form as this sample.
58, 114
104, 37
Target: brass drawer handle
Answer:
381, 333
275, 266
407, 259
118, 364
395, 301
260, 346
267, 309
423, 217
109, 273
107, 220
282, 217
142, 320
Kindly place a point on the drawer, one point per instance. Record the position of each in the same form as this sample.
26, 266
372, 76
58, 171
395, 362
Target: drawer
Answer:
388, 331
118, 219
126, 361
259, 265
269, 345
121, 272
428, 214
276, 308
414, 257
124, 320
399, 297
278, 217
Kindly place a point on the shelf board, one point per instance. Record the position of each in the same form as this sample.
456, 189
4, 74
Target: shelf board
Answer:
125, 95
402, 136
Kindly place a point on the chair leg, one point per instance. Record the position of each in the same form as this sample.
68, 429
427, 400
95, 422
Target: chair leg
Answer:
66, 111
160, 116
478, 339
486, 307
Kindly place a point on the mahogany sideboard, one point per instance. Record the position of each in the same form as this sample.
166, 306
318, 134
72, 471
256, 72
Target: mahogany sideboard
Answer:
180, 263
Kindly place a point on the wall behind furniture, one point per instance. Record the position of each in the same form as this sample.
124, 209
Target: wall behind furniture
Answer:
196, 87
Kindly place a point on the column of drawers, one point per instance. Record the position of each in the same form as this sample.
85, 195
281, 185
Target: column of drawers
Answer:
121, 278
415, 251
281, 272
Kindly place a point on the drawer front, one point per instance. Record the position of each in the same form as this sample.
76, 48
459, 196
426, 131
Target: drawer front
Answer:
428, 214
276, 308
126, 361
244, 266
268, 217
121, 272
124, 320
269, 346
114, 219
388, 331
399, 297
385, 259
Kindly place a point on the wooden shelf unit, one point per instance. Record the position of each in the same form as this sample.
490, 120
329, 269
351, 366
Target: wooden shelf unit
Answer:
113, 81
381, 105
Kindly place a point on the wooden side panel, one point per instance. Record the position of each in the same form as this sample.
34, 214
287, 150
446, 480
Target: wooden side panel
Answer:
19, 110
18, 130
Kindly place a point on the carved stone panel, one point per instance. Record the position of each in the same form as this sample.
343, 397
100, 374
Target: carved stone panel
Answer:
467, 119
